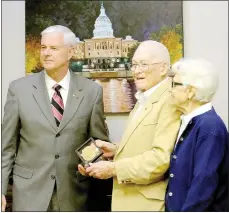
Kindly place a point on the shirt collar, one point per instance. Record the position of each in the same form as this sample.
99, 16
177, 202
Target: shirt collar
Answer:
64, 83
142, 96
200, 110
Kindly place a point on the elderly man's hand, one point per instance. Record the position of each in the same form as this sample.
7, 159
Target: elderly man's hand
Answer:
109, 149
101, 170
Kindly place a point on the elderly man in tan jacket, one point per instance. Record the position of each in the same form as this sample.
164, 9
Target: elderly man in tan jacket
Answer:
142, 157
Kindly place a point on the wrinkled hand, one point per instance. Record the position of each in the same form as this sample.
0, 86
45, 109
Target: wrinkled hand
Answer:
82, 170
3, 203
109, 149
101, 170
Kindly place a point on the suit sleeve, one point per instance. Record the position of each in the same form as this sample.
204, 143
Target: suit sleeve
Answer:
150, 166
10, 136
98, 126
209, 154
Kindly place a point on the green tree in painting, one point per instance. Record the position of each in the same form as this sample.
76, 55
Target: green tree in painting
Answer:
73, 14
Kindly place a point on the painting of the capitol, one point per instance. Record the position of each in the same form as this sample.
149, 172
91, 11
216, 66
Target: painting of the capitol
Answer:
105, 59
104, 54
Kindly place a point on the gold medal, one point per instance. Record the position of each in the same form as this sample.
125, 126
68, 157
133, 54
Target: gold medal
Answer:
89, 152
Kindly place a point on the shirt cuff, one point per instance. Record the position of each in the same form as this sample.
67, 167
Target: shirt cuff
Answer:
121, 173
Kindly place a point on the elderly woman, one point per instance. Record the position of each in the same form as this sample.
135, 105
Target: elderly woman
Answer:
198, 174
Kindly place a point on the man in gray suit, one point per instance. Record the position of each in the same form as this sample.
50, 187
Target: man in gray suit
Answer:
47, 117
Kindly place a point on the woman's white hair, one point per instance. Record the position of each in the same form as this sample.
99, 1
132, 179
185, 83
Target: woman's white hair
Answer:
69, 36
200, 74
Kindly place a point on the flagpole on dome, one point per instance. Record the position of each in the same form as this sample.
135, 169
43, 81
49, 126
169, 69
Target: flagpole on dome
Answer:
101, 4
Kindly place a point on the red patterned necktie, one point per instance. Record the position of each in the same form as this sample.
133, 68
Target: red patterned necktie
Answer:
57, 104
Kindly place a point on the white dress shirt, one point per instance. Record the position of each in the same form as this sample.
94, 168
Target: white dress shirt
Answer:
64, 83
185, 119
142, 97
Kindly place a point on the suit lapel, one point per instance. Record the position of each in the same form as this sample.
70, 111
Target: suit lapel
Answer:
74, 99
130, 117
41, 96
146, 109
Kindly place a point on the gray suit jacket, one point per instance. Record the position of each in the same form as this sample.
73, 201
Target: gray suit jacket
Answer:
38, 152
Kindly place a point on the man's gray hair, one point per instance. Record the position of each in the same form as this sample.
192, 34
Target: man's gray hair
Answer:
69, 36
200, 74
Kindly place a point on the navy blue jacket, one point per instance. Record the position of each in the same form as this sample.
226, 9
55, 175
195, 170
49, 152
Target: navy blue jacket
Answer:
198, 174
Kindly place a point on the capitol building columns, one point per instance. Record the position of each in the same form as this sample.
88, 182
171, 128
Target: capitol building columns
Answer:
103, 51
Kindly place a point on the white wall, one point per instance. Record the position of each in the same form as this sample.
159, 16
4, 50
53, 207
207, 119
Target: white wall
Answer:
13, 44
205, 35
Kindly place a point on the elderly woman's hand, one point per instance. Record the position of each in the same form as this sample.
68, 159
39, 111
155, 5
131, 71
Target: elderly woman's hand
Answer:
82, 170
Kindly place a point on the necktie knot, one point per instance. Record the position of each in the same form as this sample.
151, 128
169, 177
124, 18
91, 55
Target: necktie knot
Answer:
56, 87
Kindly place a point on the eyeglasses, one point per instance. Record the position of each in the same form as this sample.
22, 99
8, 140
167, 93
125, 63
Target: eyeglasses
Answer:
174, 84
142, 67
